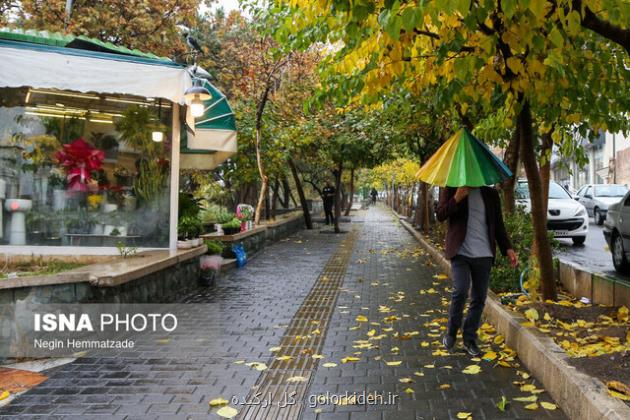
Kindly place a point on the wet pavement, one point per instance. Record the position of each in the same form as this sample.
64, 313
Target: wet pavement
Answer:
349, 322
594, 254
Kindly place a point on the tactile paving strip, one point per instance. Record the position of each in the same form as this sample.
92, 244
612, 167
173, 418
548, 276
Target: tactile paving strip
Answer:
303, 338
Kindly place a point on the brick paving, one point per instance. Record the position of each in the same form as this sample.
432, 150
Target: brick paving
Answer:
249, 312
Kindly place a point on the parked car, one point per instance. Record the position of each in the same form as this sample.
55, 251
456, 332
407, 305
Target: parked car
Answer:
566, 218
617, 233
597, 197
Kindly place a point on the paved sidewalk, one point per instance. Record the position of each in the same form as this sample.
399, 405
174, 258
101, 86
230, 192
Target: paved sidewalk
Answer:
286, 299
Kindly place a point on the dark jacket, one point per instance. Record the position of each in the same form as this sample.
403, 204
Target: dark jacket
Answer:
457, 215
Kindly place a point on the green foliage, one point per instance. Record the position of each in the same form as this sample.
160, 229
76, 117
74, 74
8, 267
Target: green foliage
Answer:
125, 251
232, 224
189, 227
188, 206
214, 247
520, 229
214, 213
135, 128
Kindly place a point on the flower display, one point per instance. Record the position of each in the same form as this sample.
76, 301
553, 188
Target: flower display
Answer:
244, 212
79, 159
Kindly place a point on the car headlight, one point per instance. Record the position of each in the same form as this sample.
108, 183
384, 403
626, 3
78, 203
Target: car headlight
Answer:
581, 212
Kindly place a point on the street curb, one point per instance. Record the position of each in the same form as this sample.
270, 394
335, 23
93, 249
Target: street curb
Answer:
579, 395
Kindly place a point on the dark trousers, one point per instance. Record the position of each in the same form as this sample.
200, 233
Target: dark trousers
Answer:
328, 210
465, 271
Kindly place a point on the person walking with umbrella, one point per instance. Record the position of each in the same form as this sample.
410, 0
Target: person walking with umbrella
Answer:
465, 166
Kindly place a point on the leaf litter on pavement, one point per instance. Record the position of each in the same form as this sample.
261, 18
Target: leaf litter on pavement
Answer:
496, 354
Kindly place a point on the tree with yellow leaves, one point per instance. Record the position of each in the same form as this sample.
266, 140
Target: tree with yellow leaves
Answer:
543, 64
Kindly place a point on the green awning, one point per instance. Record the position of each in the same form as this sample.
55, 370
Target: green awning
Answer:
214, 133
81, 42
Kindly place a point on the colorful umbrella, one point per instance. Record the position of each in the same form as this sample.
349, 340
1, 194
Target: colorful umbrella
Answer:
463, 161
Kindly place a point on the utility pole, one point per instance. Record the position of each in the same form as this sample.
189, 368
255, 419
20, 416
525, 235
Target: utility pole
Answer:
614, 145
68, 13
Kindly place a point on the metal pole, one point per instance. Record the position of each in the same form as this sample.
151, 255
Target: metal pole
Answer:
68, 13
614, 158
174, 199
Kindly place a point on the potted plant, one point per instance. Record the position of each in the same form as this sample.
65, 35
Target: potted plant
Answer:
245, 213
57, 181
232, 227
123, 176
209, 269
188, 230
214, 247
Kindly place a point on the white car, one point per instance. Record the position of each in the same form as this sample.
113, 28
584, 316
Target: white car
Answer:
617, 233
566, 218
597, 197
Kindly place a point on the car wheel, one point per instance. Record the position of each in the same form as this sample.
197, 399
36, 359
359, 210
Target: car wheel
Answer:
599, 219
620, 261
578, 240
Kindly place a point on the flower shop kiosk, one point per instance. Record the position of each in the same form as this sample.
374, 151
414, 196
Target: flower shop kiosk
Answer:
92, 139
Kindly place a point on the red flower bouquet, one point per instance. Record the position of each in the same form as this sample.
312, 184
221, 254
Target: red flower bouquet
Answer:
79, 159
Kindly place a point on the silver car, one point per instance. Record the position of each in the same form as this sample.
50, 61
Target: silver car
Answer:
597, 197
617, 233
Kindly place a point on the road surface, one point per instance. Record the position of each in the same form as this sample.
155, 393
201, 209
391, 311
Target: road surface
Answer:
594, 254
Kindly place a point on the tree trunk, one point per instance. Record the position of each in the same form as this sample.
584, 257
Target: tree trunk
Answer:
545, 167
425, 208
274, 199
351, 196
338, 173
542, 248
417, 220
511, 160
263, 178
286, 191
298, 186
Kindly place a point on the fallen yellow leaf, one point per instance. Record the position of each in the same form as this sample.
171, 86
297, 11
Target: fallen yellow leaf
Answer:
4, 395
284, 358
361, 318
429, 366
531, 398
472, 370
528, 388
394, 363
618, 387
489, 356
405, 380
618, 395
350, 359
548, 406
445, 386
329, 365
227, 412
532, 406
419, 373
409, 391
499, 339
532, 314
218, 401
296, 379
275, 349
464, 415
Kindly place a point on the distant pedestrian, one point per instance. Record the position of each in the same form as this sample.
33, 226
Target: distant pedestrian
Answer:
329, 201
374, 194
475, 228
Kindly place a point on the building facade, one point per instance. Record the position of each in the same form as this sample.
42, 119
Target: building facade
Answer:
608, 162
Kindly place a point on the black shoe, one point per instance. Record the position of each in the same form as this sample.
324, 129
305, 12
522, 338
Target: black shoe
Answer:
472, 349
448, 341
